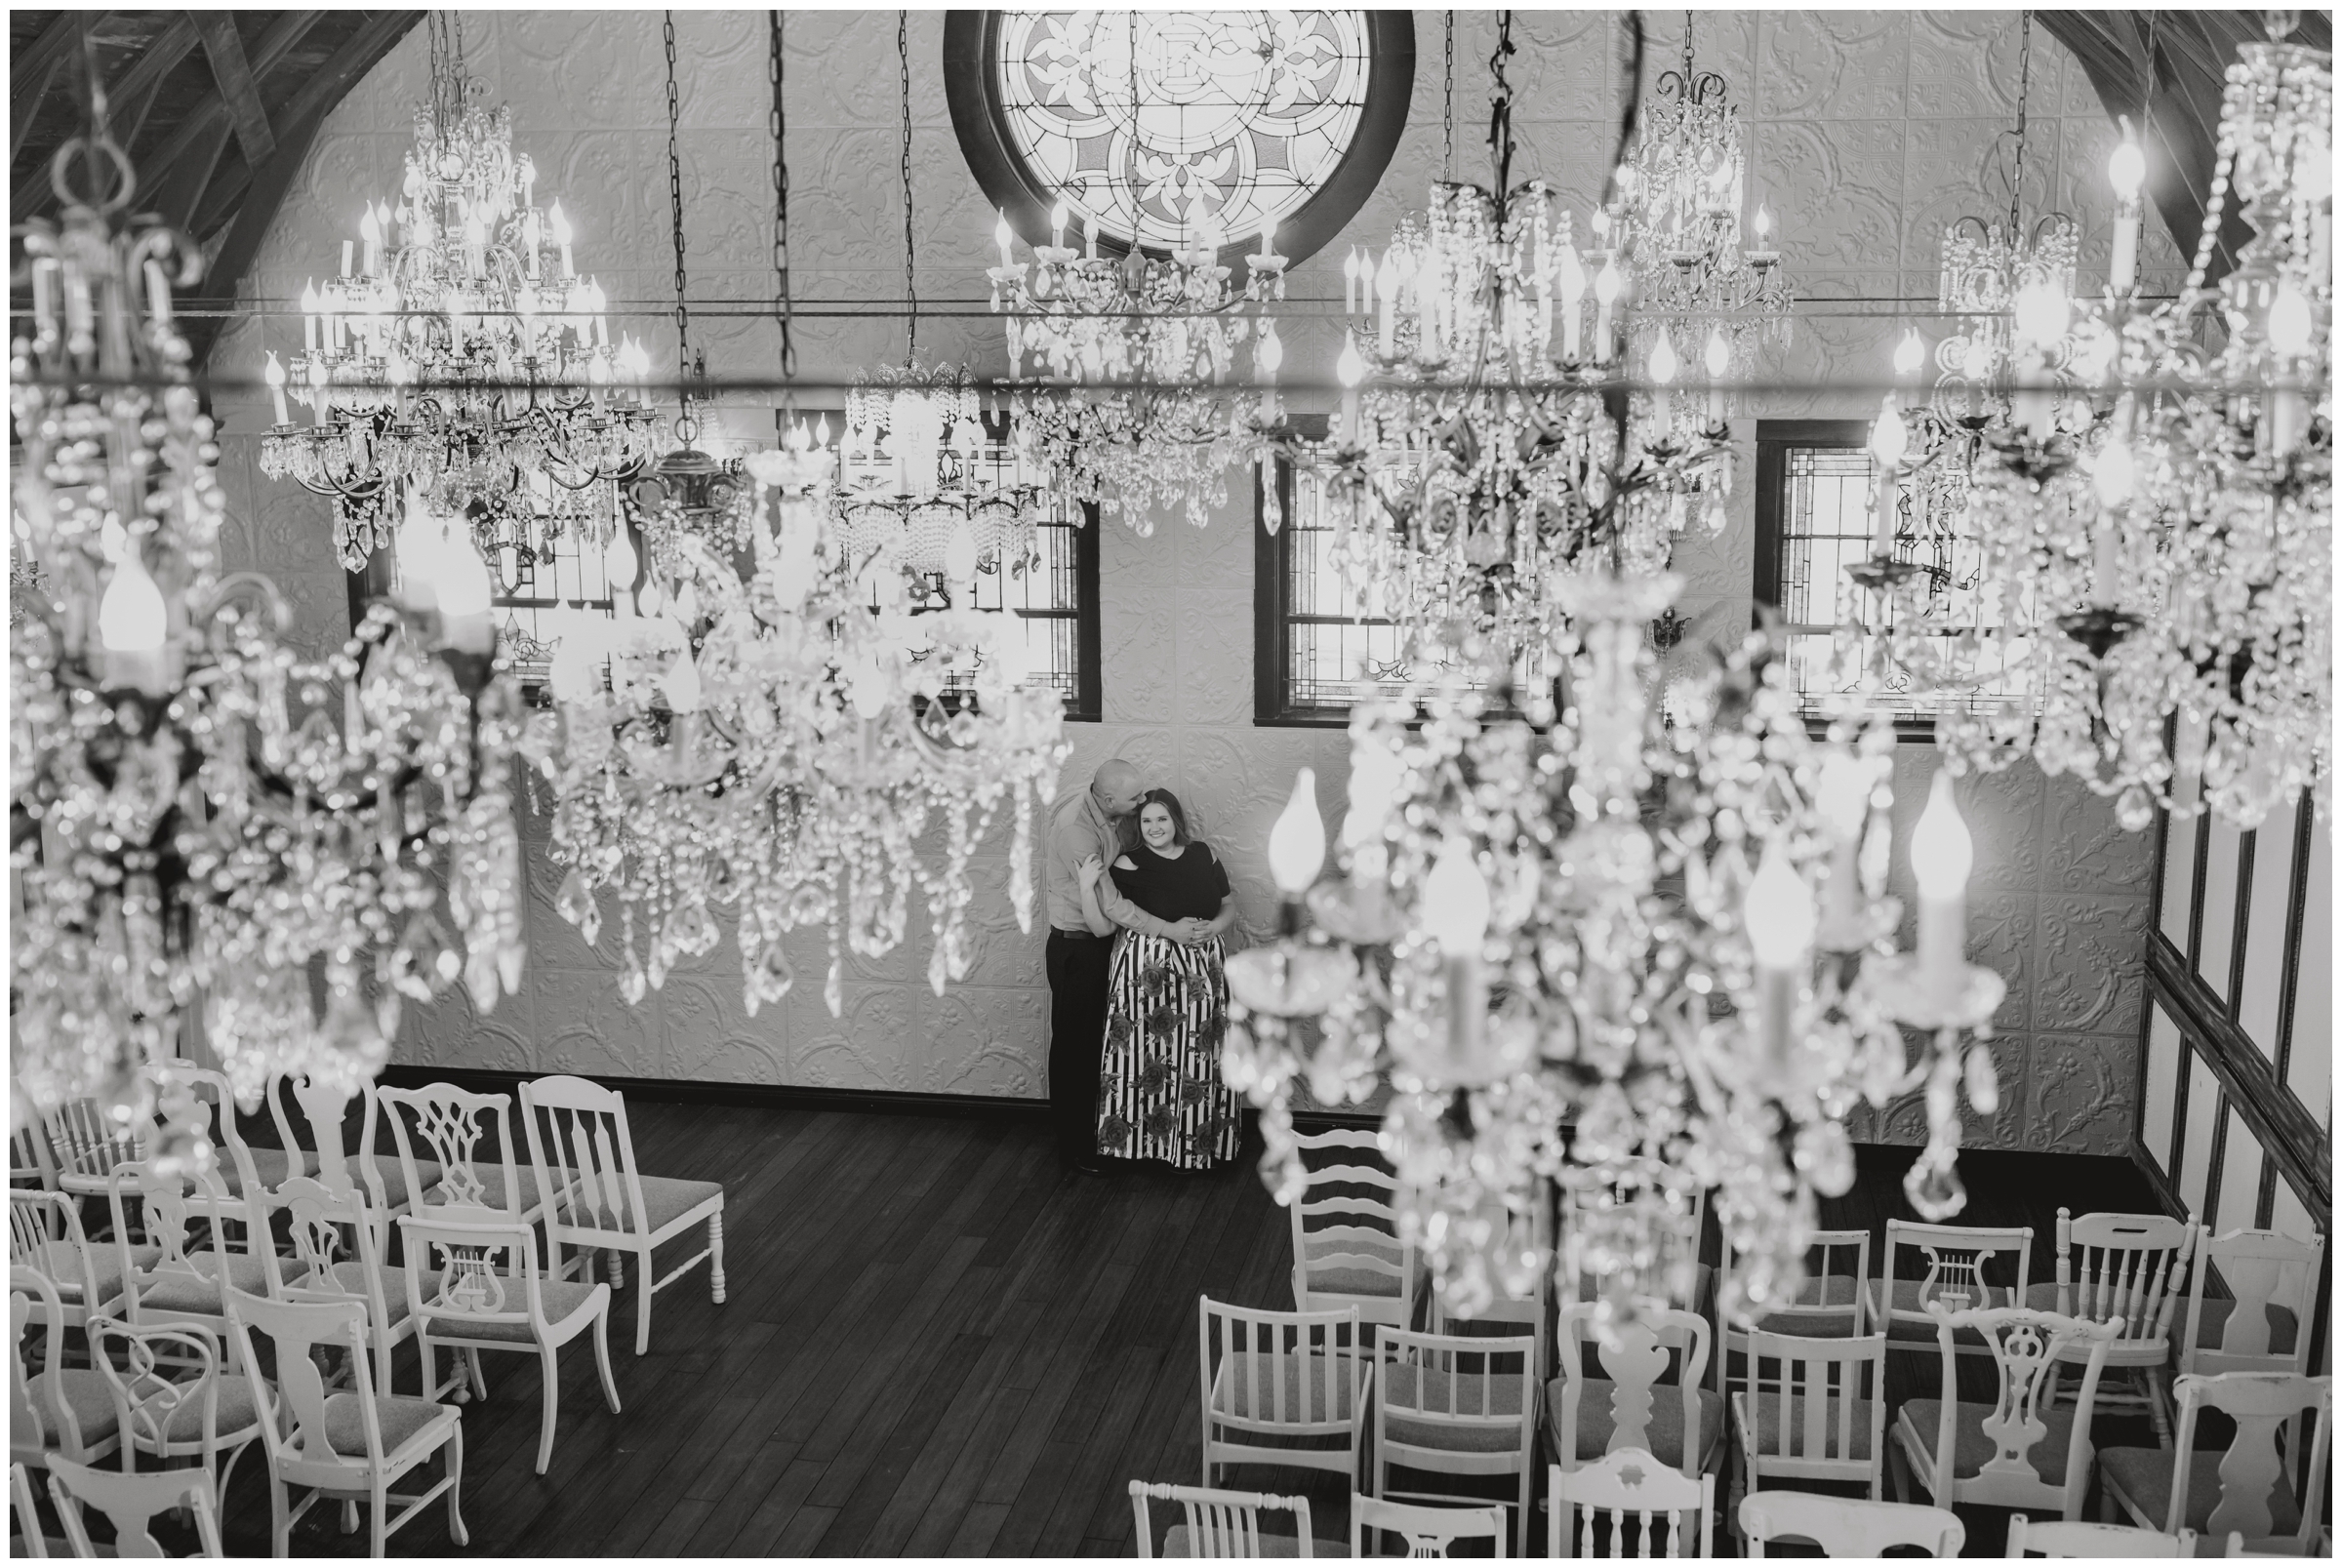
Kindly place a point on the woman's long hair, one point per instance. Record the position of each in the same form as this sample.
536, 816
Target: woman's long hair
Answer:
1132, 843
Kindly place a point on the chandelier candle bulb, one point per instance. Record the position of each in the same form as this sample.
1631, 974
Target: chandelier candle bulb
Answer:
133, 626
1386, 288
318, 376
1267, 240
1662, 375
1719, 360
308, 316
1941, 855
1573, 295
1842, 797
1351, 369
1058, 218
1454, 913
1350, 282
559, 224
1890, 441
2126, 172
1909, 355
1779, 914
348, 250
1607, 286
274, 374
1297, 843
1005, 238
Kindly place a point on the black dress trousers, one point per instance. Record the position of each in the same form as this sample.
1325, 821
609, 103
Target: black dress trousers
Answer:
1078, 964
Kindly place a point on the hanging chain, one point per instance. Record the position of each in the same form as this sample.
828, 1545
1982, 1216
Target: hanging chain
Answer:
2016, 181
910, 245
1447, 112
674, 199
1500, 113
778, 123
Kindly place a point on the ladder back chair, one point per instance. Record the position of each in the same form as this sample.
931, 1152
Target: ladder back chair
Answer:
164, 1412
1424, 1530
611, 1205
1820, 1417
1629, 1484
1831, 1300
474, 1287
1964, 1268
2079, 1538
1346, 1250
130, 1503
1630, 1407
1281, 1388
2130, 1268
56, 1410
2017, 1452
1443, 1406
338, 1243
1847, 1527
2272, 1283
2250, 1490
1219, 1524
349, 1446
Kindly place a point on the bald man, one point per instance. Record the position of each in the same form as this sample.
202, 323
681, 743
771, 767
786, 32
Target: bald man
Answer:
1078, 961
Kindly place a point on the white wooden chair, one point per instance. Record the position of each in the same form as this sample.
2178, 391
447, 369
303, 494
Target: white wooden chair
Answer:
86, 1145
171, 1278
483, 1292
2250, 1490
45, 1232
1820, 1417
1281, 1388
29, 1163
1847, 1527
167, 1413
56, 1410
2272, 1281
1632, 1408
2079, 1538
1426, 1531
1629, 1484
344, 1446
2017, 1452
131, 1501
1831, 1302
337, 1161
611, 1205
1346, 1250
1965, 1267
210, 1108
1219, 1524
442, 1125
338, 1242
26, 1540
2130, 1268
1443, 1406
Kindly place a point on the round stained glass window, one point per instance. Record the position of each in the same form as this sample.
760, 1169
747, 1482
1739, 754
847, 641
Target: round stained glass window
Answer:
1158, 127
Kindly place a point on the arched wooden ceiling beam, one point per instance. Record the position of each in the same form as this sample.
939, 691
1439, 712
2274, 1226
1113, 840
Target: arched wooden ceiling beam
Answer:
2188, 69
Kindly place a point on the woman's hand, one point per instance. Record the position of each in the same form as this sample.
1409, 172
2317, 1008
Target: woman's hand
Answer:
1088, 869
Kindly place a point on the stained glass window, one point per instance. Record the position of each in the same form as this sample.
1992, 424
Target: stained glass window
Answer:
1159, 124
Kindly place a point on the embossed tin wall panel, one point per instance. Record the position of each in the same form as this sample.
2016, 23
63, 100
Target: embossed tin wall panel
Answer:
1868, 132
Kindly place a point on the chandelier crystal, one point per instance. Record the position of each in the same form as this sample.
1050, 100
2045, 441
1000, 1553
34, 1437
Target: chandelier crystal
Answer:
216, 816
460, 352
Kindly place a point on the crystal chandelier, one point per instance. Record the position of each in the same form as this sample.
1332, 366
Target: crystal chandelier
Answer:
1666, 929
215, 815
2149, 499
1676, 224
773, 740
460, 352
1485, 460
918, 472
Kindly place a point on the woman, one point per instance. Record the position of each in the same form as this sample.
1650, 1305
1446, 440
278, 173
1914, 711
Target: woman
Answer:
1159, 1092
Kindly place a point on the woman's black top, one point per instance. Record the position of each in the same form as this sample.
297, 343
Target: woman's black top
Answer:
1168, 889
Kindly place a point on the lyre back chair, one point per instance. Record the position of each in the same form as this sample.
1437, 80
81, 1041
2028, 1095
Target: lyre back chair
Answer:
1964, 1268
578, 1128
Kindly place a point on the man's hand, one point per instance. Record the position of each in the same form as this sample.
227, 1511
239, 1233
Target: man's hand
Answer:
1088, 869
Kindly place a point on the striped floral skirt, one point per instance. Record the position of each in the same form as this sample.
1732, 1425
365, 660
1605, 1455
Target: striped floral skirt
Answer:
1159, 1092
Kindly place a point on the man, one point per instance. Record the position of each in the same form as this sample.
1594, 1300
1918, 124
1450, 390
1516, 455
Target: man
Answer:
1078, 962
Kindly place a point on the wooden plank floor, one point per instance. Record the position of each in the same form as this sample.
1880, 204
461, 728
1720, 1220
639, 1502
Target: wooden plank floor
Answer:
936, 1343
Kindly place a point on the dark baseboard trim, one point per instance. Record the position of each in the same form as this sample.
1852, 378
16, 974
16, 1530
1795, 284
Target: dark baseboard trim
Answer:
764, 1096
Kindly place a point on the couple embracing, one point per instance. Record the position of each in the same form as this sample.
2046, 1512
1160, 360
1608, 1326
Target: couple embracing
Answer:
1138, 994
